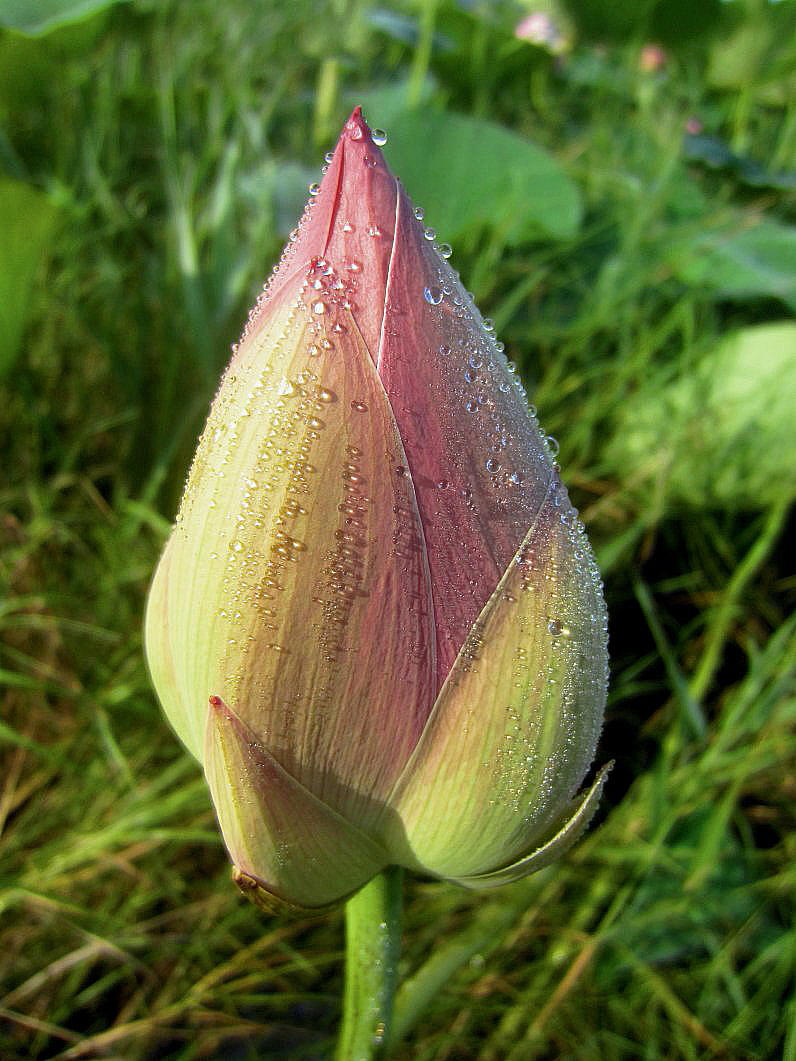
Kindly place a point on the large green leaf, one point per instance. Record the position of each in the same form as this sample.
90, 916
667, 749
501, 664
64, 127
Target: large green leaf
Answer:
723, 434
36, 17
753, 262
469, 173
27, 219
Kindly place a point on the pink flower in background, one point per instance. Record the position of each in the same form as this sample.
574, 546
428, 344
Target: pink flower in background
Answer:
540, 29
652, 59
378, 623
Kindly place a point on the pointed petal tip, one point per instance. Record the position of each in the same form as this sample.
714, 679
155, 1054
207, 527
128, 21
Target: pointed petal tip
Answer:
357, 128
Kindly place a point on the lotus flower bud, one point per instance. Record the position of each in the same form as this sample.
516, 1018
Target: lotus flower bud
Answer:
378, 623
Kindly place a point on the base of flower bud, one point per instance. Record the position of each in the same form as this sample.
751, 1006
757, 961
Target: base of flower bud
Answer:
270, 903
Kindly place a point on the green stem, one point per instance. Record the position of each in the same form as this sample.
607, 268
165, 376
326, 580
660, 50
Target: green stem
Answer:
373, 943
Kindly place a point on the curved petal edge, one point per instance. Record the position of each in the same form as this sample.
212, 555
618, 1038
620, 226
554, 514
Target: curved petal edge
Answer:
559, 843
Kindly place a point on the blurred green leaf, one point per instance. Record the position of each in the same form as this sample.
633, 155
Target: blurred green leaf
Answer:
759, 55
479, 174
36, 17
754, 262
716, 154
27, 220
604, 20
723, 434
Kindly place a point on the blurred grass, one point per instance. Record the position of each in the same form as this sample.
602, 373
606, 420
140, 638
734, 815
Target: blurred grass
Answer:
175, 143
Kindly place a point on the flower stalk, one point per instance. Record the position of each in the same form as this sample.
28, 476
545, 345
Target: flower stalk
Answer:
373, 945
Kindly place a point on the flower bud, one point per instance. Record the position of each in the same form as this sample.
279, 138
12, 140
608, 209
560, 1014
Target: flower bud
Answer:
378, 623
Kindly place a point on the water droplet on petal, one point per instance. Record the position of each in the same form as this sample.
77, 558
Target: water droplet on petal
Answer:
433, 295
555, 627
379, 137
445, 250
314, 189
319, 307
492, 465
429, 233
553, 445
360, 407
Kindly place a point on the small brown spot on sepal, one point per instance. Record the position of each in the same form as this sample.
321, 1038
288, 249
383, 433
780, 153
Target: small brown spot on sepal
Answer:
272, 904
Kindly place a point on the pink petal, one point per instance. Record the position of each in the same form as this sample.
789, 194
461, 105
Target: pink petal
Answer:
474, 452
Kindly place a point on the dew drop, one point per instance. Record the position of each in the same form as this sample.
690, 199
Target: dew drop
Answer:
353, 267
445, 250
419, 213
356, 133
379, 137
319, 307
433, 295
314, 189
492, 465
360, 407
374, 230
429, 233
328, 156
553, 445
555, 627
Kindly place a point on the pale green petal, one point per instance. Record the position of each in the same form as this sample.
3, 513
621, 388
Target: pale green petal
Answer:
295, 586
275, 830
516, 724
575, 824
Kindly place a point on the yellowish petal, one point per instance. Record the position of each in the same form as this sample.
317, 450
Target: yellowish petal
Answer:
567, 834
295, 586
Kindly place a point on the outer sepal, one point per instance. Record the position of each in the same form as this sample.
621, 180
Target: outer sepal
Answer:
279, 836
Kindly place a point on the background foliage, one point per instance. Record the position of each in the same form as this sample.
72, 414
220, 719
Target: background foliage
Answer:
620, 197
